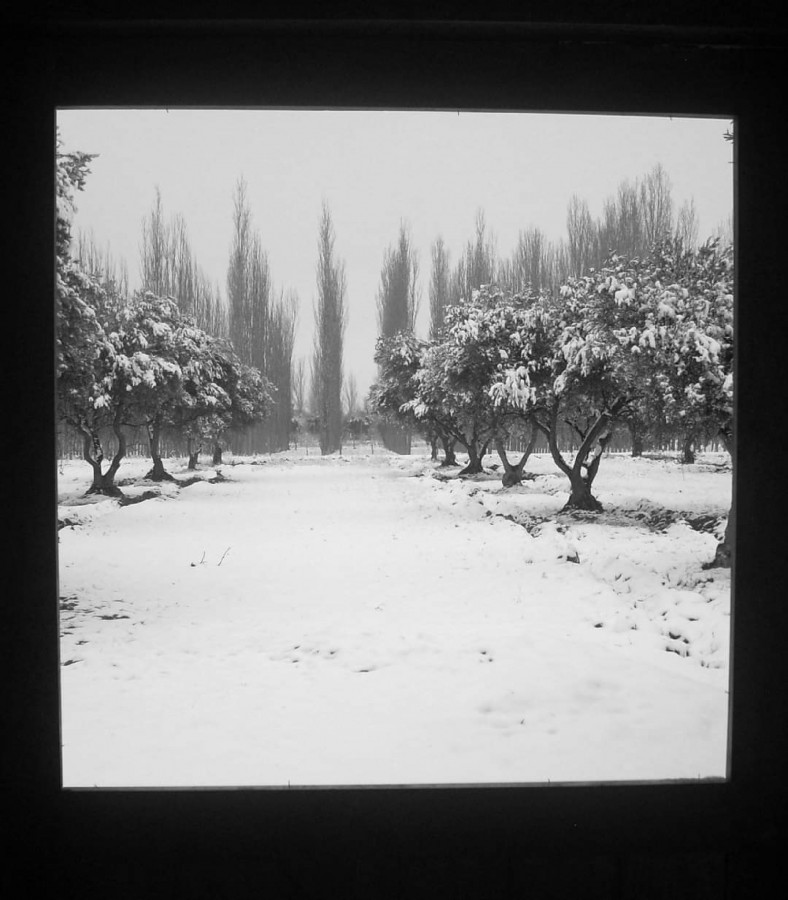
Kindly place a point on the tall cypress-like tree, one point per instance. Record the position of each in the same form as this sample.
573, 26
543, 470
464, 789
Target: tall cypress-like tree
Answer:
155, 251
582, 238
440, 299
169, 268
261, 329
397, 308
279, 366
330, 322
439, 287
397, 297
259, 305
299, 386
476, 266
239, 276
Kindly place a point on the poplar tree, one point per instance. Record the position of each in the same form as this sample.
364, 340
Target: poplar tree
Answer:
262, 330
477, 264
280, 335
330, 322
169, 268
397, 297
239, 276
439, 287
155, 251
440, 298
397, 307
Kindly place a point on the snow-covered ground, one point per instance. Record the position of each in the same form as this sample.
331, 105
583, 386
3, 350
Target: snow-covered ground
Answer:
372, 619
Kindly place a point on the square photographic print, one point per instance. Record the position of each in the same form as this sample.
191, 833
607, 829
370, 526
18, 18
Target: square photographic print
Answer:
394, 447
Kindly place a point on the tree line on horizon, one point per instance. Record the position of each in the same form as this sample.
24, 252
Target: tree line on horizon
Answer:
318, 395
634, 220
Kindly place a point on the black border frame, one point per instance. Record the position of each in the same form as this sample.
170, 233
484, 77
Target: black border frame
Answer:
303, 842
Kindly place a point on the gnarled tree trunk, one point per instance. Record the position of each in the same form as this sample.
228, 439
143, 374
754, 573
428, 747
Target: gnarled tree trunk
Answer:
103, 482
94, 455
580, 496
597, 437
475, 457
158, 472
513, 474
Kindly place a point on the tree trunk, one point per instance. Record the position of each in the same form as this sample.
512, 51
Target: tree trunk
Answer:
158, 472
217, 455
93, 454
103, 482
688, 449
513, 474
580, 496
600, 433
637, 440
475, 456
325, 447
449, 458
119, 454
193, 453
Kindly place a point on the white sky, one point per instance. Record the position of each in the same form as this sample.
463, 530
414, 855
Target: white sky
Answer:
432, 169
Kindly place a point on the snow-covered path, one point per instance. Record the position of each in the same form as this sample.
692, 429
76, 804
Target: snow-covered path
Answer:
359, 622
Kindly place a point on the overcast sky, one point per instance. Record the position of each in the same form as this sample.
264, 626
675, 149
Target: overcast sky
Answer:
431, 169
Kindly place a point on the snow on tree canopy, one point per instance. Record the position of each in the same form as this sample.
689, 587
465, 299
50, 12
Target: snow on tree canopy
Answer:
624, 295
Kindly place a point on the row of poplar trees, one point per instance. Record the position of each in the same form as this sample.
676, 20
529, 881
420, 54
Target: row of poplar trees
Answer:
640, 213
261, 326
259, 320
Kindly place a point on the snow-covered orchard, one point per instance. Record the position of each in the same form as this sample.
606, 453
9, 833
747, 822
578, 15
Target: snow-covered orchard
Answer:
373, 617
370, 619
